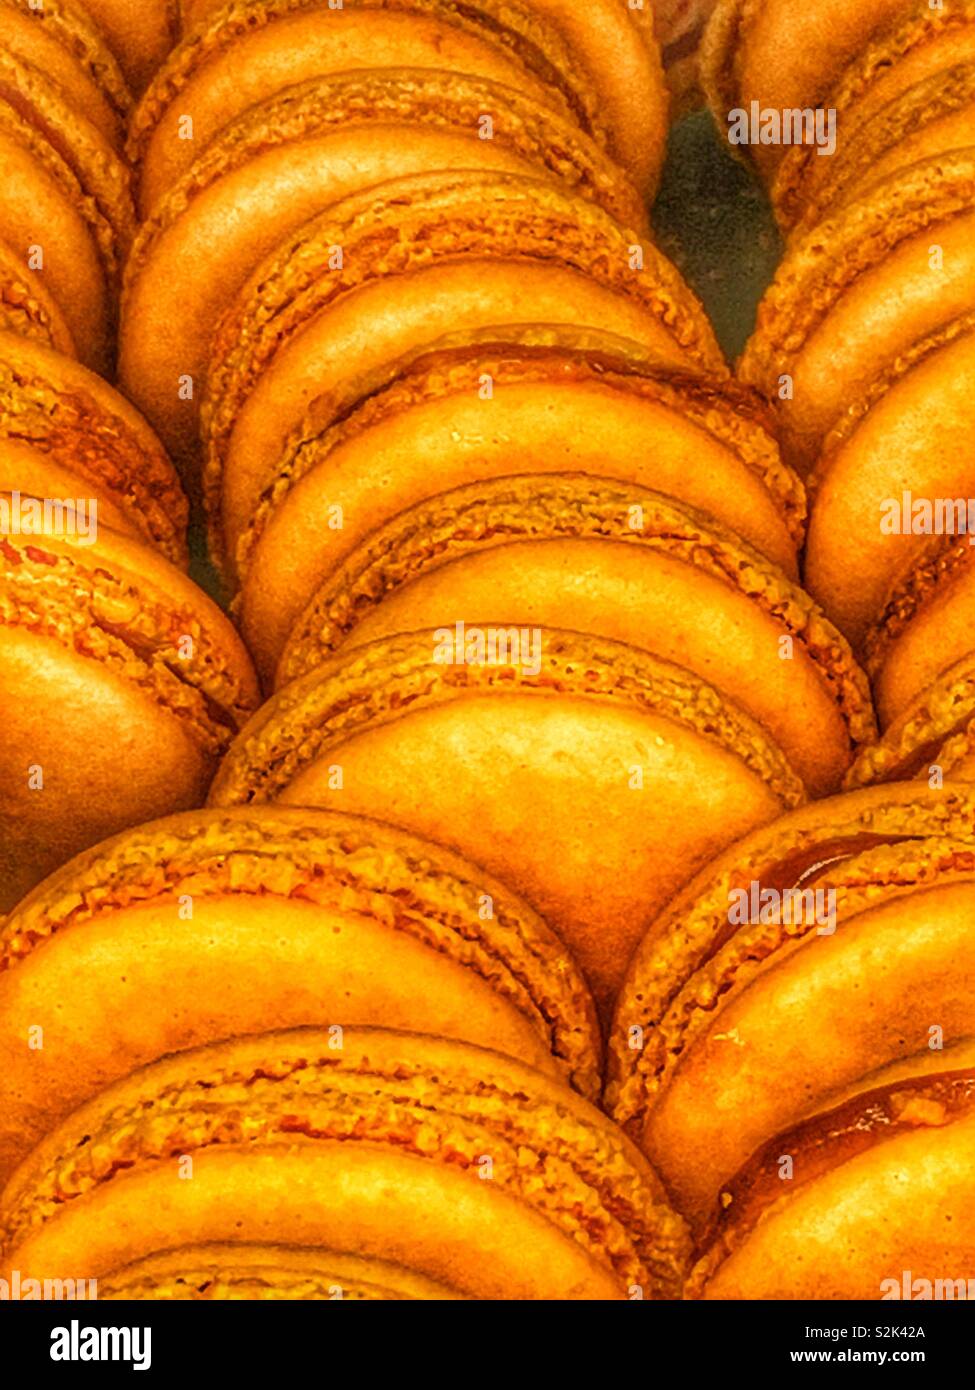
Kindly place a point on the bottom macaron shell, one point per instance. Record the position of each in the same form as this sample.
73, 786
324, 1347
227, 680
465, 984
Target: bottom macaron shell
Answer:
822, 1012
593, 788
906, 1205
84, 754
462, 1164
124, 989
387, 1206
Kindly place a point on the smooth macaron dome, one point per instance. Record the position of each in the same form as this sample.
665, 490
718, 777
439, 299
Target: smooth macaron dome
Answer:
67, 204
422, 257
574, 398
60, 39
404, 1117
609, 54
891, 268
306, 917
878, 1203
247, 53
709, 997
289, 158
906, 97
899, 445
251, 1272
546, 551
122, 682
573, 741
62, 423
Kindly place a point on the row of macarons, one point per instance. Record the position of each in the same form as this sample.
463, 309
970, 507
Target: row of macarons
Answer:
365, 1013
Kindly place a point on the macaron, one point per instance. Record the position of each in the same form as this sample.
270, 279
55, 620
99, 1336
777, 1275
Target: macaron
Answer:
878, 1202
421, 257
212, 924
65, 433
121, 685
27, 307
638, 771
744, 1013
67, 211
888, 270
139, 32
894, 458
607, 54
59, 38
284, 161
785, 57
249, 1273
575, 399
246, 54
932, 738
908, 96
618, 561
464, 1165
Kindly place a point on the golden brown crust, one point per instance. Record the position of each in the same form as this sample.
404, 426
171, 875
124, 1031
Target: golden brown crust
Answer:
408, 223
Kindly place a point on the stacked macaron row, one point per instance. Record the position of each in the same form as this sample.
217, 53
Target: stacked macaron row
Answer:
270, 111
313, 1057
794, 1050
120, 683
865, 343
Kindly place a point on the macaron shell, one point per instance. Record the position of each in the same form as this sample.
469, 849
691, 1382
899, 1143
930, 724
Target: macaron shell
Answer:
599, 869
37, 211
294, 48
878, 137
615, 47
24, 34
134, 984
903, 964
784, 56
384, 1205
28, 470
612, 45
229, 227
109, 756
26, 306
831, 322
935, 637
388, 318
580, 426
905, 1204
688, 933
641, 596
914, 439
